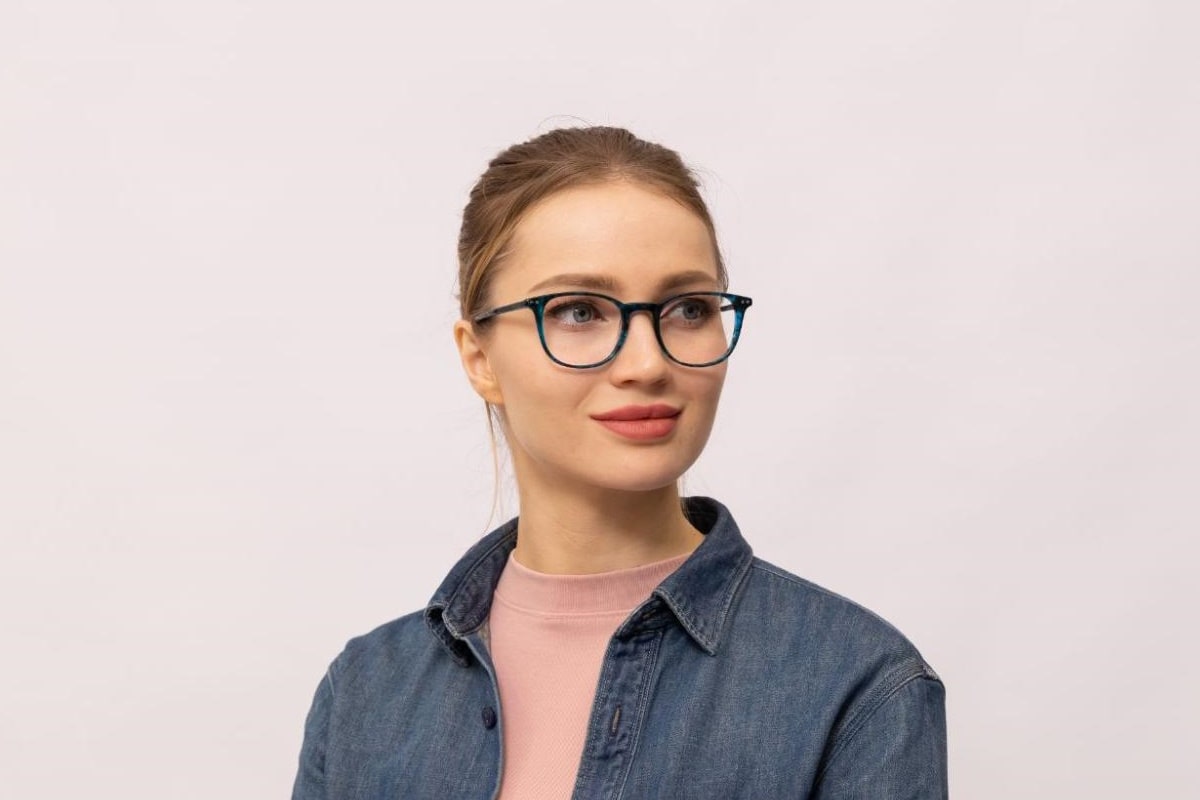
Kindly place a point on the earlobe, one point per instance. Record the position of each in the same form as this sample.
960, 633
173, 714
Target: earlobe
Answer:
476, 364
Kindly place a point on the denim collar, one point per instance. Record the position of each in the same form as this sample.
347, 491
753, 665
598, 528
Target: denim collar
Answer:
698, 595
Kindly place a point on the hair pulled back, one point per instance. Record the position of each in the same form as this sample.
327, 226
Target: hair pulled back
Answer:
525, 173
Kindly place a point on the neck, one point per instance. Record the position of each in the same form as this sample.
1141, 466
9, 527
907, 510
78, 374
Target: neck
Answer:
584, 531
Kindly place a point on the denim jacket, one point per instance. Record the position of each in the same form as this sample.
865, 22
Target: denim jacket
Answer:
734, 679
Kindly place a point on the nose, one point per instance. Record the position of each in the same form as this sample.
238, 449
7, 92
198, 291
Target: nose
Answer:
640, 358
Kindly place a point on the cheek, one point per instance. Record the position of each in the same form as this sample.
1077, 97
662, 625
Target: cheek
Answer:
539, 399
705, 387
516, 362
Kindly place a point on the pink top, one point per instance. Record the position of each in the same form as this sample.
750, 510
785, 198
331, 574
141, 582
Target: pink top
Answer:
547, 637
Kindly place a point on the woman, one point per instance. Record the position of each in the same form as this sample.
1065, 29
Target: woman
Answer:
617, 641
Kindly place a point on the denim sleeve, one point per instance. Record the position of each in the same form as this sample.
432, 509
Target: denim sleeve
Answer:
897, 751
310, 777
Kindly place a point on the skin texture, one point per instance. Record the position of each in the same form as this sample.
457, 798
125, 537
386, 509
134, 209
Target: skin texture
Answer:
591, 500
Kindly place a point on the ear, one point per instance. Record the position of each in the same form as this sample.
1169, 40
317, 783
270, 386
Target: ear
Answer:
475, 363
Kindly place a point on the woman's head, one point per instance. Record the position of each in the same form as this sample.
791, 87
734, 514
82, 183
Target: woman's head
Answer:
588, 210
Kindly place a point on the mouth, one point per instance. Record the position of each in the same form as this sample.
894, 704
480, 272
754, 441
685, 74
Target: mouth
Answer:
640, 422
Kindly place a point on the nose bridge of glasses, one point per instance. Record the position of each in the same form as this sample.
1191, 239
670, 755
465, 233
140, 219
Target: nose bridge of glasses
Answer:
630, 313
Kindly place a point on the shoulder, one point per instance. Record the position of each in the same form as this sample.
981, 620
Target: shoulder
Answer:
815, 599
400, 641
847, 659
820, 624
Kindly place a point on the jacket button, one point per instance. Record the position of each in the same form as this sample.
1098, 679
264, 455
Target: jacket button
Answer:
489, 717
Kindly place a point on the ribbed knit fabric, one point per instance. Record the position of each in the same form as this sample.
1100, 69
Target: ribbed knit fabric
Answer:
547, 637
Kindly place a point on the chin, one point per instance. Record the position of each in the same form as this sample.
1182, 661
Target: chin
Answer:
636, 469
648, 485
633, 477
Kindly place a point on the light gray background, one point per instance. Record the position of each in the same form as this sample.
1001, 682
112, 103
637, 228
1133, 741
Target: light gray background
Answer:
234, 432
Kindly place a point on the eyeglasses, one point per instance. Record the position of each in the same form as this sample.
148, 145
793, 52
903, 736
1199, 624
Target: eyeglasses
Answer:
585, 329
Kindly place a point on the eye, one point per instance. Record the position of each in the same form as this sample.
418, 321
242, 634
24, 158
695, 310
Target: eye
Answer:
691, 310
575, 311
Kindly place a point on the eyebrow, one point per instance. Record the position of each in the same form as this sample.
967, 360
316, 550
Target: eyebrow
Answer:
606, 283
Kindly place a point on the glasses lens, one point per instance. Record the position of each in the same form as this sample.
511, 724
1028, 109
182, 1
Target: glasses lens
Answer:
698, 329
580, 329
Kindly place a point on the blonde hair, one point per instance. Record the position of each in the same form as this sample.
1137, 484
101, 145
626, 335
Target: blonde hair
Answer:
531, 171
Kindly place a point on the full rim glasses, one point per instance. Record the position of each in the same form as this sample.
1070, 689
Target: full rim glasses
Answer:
688, 327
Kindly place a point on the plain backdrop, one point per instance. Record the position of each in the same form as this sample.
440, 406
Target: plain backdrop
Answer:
234, 432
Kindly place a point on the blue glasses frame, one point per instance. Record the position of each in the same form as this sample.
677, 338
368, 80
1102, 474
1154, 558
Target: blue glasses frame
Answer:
537, 305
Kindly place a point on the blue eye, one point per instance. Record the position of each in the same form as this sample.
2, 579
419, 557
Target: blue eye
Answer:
575, 312
691, 310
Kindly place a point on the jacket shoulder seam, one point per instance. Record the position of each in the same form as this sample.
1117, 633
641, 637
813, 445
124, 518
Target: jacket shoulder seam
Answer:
782, 574
888, 688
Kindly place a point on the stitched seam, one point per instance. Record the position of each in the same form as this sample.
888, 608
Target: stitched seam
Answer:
731, 596
857, 723
539, 613
684, 611
502, 541
771, 569
643, 705
684, 616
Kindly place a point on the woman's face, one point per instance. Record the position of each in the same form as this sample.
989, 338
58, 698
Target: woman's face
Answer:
634, 244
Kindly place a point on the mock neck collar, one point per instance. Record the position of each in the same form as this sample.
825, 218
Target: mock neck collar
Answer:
611, 592
698, 594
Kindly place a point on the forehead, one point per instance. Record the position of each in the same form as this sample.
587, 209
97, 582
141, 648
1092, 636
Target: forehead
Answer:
633, 237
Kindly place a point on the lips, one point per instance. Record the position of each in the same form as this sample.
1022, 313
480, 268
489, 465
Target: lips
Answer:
656, 411
640, 422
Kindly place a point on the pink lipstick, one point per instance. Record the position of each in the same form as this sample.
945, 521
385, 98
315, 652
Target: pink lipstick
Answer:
640, 422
